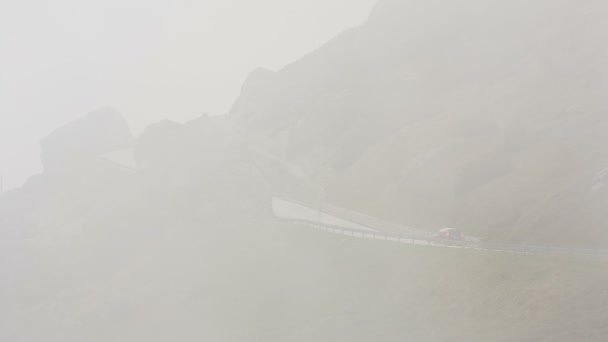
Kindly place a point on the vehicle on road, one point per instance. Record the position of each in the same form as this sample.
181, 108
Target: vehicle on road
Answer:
450, 234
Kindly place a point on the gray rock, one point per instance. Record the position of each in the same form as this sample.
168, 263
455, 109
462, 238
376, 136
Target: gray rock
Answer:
99, 132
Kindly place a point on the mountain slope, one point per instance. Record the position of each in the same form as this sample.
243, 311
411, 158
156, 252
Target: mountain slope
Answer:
488, 115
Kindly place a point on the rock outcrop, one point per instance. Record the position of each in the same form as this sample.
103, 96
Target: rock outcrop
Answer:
99, 132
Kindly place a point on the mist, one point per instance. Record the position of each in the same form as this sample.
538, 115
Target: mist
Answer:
150, 60
399, 170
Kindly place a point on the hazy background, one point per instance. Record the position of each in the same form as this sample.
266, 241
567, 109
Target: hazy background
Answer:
148, 59
485, 116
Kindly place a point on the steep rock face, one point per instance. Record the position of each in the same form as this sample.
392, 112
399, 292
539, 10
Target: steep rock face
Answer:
488, 115
75, 182
99, 132
201, 170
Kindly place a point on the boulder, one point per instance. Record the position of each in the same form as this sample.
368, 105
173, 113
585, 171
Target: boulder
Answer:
99, 132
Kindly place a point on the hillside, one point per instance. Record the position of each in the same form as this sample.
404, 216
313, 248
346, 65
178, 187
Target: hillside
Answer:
268, 282
483, 115
486, 115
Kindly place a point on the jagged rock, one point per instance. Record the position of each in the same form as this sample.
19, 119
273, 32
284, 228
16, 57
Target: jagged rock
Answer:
99, 132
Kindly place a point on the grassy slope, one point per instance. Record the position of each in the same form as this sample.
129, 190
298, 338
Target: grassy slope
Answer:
284, 283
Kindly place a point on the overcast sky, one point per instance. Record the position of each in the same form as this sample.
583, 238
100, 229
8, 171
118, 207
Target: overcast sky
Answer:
149, 59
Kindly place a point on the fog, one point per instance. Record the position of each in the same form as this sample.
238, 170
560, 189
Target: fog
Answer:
150, 60
406, 170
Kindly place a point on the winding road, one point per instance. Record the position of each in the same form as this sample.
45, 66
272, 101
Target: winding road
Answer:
342, 221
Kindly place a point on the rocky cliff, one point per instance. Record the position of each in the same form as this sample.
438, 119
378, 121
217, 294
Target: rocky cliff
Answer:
486, 115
